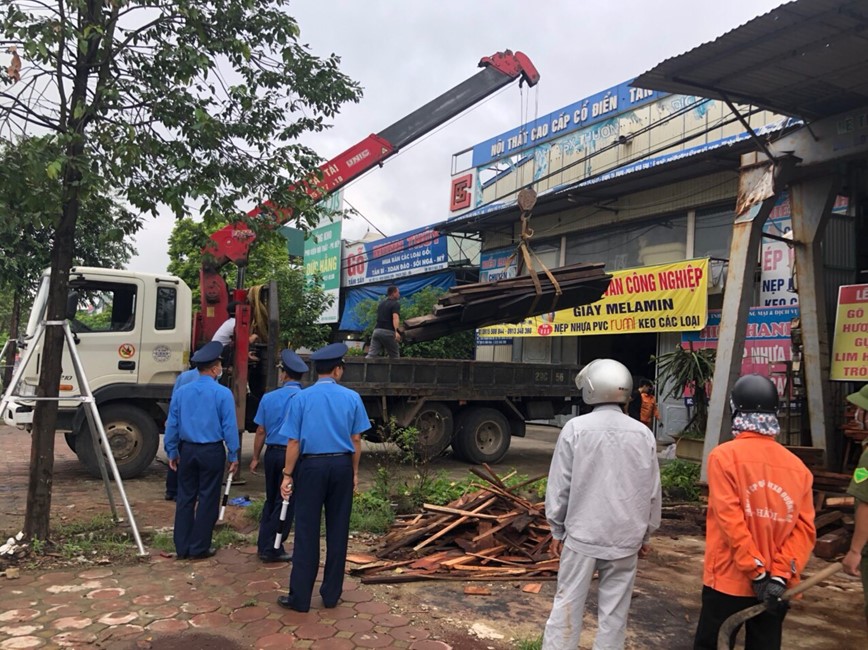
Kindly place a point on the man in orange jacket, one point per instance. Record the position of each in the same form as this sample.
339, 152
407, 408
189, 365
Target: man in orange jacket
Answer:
760, 525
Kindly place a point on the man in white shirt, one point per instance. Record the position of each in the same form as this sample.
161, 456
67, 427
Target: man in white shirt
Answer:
603, 502
225, 332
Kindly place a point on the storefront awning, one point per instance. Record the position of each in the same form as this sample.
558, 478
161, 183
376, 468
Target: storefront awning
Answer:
807, 59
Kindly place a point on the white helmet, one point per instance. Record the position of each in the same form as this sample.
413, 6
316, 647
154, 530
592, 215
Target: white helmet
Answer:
605, 381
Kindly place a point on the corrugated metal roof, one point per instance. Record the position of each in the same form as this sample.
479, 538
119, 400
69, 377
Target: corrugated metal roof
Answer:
807, 58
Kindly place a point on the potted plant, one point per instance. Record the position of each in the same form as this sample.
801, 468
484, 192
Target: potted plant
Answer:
688, 370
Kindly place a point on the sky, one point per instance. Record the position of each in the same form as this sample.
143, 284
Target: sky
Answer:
405, 53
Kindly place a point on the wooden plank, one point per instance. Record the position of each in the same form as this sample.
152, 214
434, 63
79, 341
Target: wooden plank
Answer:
453, 525
827, 518
838, 502
495, 529
361, 558
434, 560
447, 577
488, 569
532, 588
832, 544
457, 511
476, 590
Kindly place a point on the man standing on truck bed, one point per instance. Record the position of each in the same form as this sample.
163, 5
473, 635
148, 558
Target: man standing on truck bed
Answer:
324, 427
386, 336
269, 418
603, 502
201, 420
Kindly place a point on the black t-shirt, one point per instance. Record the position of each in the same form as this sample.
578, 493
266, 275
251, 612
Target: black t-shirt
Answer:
385, 310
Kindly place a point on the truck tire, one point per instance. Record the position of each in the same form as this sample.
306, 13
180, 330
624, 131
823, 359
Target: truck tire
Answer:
70, 437
481, 435
133, 437
435, 425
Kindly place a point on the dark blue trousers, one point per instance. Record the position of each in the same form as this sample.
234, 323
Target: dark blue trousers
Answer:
171, 483
321, 482
200, 474
269, 522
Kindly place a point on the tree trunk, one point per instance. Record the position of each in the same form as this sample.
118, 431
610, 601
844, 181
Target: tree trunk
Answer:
14, 319
37, 517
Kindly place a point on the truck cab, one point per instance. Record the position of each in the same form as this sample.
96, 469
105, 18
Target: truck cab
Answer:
132, 334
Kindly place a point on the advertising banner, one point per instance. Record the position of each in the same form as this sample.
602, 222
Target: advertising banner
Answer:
767, 340
661, 298
410, 253
776, 257
322, 256
850, 345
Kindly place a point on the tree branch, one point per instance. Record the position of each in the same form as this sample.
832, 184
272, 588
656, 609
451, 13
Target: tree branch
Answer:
28, 114
60, 51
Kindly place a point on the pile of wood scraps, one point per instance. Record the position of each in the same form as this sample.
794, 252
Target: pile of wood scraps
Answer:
487, 535
510, 300
834, 513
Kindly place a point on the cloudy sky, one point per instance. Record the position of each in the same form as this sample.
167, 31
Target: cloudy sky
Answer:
405, 53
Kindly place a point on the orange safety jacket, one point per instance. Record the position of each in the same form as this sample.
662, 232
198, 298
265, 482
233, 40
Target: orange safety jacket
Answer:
648, 410
760, 514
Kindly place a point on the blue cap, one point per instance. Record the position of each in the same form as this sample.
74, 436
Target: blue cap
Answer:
208, 353
331, 352
292, 362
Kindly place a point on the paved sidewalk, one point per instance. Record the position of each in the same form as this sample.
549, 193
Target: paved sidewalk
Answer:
225, 602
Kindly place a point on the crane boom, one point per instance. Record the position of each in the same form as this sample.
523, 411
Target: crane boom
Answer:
232, 243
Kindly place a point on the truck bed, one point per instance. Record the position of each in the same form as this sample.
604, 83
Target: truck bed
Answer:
452, 379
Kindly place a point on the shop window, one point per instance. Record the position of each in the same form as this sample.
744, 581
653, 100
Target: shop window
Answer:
641, 244
165, 316
713, 232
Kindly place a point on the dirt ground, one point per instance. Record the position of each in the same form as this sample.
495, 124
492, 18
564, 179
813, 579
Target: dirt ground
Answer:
666, 597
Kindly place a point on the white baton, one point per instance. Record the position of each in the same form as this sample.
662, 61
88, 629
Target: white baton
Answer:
283, 510
225, 497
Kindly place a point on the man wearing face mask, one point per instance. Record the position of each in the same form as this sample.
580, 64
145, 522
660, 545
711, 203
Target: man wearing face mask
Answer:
269, 418
201, 421
760, 524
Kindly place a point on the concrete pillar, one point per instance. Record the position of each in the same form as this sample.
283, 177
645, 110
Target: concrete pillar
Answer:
811, 202
759, 184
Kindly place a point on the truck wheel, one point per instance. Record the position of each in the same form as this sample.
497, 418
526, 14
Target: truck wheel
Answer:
481, 435
434, 422
133, 437
70, 437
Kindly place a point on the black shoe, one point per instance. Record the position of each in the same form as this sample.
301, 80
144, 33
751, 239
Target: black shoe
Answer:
283, 557
211, 552
286, 603
169, 497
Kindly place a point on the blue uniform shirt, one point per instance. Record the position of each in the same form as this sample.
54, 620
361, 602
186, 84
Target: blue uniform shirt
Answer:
272, 410
322, 418
202, 411
186, 377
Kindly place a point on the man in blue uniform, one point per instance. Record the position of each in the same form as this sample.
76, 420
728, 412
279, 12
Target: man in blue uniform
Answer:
269, 418
201, 420
323, 427
184, 378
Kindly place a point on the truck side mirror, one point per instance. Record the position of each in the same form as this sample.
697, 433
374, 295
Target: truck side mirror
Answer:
71, 304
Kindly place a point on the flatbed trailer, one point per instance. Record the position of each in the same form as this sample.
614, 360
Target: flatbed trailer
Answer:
475, 406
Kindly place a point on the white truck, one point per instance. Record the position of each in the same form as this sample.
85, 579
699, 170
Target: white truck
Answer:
132, 333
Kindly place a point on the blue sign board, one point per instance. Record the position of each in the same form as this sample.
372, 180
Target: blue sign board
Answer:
410, 253
596, 108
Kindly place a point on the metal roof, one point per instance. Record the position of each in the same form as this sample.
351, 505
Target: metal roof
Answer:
807, 58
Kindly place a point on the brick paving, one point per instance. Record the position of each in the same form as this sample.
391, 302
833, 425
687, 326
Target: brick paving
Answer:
155, 603
225, 602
